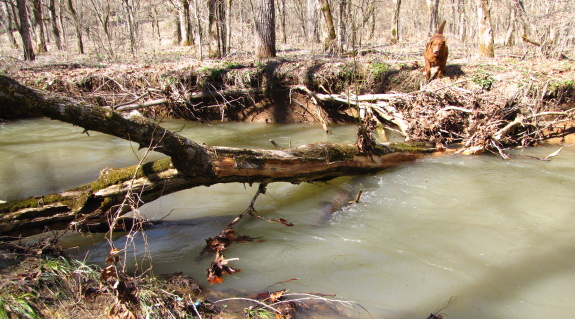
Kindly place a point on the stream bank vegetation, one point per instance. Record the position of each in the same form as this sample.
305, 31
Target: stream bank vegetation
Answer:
524, 96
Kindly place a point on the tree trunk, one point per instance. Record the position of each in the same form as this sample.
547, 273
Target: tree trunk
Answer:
509, 35
61, 20
433, 8
9, 25
190, 165
187, 38
228, 25
343, 15
103, 11
395, 22
25, 31
155, 23
265, 28
329, 42
77, 26
132, 26
199, 36
462, 20
177, 34
216, 28
39, 25
312, 21
485, 34
54, 24
282, 13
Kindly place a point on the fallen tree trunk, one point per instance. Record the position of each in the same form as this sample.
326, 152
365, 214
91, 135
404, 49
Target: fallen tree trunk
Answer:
91, 206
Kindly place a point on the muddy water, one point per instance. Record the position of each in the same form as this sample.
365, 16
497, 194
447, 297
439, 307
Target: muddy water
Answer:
496, 237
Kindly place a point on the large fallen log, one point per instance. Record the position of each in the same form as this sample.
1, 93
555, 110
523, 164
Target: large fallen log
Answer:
190, 164
89, 207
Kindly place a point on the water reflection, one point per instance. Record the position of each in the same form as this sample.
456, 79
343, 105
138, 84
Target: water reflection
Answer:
497, 236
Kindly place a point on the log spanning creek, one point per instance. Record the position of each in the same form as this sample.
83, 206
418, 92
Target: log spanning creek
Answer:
487, 237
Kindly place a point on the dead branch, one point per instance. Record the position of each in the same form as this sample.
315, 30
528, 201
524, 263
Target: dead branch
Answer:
135, 106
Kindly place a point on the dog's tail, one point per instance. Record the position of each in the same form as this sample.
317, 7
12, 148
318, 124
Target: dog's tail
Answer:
440, 29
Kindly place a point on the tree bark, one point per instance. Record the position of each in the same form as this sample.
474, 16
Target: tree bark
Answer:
132, 25
395, 22
312, 25
25, 31
329, 42
190, 165
39, 24
187, 38
462, 20
54, 24
103, 12
282, 13
433, 8
343, 17
77, 27
265, 28
216, 28
177, 34
8, 26
486, 46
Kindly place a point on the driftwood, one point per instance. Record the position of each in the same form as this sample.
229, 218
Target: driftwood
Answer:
190, 165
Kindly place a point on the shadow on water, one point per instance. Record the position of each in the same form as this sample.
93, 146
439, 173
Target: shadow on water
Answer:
513, 279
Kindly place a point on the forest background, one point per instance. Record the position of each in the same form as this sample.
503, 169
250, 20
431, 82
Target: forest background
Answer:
151, 32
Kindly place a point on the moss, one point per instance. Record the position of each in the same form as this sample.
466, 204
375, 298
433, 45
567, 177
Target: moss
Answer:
328, 151
33, 202
113, 176
407, 147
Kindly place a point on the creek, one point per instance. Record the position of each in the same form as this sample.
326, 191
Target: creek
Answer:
495, 237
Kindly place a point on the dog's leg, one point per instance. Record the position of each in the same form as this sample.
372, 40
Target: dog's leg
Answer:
441, 69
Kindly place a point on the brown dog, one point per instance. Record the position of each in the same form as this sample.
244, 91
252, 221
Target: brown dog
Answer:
436, 53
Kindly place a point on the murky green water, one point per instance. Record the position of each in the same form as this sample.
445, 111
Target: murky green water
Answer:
496, 237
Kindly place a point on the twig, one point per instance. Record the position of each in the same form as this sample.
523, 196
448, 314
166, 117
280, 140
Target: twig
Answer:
277, 146
250, 209
136, 106
249, 300
457, 108
129, 102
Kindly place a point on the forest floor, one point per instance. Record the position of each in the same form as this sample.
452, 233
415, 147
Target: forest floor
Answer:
39, 281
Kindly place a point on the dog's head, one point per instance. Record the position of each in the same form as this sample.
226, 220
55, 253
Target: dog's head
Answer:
437, 45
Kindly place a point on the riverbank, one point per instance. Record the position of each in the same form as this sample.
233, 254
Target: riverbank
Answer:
39, 281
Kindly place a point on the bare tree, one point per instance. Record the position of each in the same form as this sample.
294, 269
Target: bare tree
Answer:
54, 23
177, 33
395, 23
282, 17
433, 8
342, 30
25, 31
462, 20
103, 11
77, 26
39, 25
8, 24
328, 27
216, 28
187, 38
265, 28
313, 21
155, 23
485, 32
132, 25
